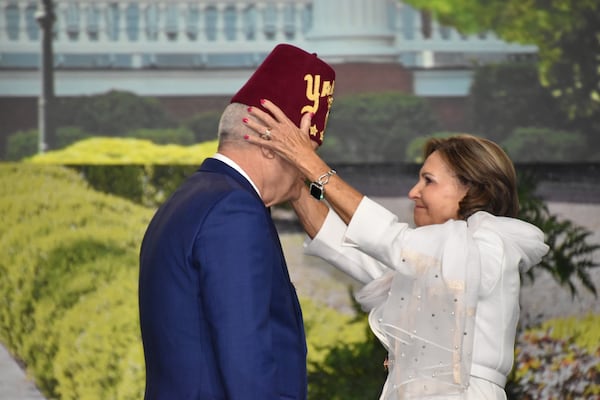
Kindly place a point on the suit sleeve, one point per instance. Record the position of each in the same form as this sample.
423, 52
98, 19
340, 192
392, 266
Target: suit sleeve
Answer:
237, 253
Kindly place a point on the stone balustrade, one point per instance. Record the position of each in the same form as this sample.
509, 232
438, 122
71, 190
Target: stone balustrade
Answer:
222, 33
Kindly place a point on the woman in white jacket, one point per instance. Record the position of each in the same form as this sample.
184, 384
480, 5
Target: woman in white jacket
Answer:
444, 296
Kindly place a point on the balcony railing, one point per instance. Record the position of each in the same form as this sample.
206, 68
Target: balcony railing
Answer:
192, 34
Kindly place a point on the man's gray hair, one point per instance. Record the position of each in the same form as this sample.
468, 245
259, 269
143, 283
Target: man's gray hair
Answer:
231, 128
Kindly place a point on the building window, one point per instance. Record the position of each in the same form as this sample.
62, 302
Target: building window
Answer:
230, 19
289, 21
92, 22
31, 25
12, 21
250, 17
132, 21
171, 21
72, 21
307, 19
270, 21
152, 18
113, 17
192, 17
210, 23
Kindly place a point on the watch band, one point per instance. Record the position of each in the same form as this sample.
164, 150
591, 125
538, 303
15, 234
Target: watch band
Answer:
317, 188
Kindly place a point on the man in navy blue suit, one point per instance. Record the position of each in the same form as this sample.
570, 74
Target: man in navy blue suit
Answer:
220, 319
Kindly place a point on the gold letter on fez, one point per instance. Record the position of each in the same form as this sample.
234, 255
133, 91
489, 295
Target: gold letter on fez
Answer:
327, 89
312, 93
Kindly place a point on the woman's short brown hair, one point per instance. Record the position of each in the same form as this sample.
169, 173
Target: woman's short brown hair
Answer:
485, 169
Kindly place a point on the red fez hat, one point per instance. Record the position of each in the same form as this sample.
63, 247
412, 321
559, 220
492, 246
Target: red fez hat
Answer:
297, 82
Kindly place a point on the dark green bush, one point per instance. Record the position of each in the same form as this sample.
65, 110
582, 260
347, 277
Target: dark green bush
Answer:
23, 144
204, 125
112, 114
375, 127
125, 181
545, 145
147, 185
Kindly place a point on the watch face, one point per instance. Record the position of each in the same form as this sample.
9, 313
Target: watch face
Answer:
316, 191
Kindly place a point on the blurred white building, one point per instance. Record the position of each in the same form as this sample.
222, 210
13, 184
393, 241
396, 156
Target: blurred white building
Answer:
209, 48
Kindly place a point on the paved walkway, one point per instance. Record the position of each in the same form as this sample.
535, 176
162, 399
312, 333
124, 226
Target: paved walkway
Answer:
14, 384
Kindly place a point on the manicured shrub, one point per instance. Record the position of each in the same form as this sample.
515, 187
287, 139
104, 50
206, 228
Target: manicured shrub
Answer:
98, 337
124, 151
61, 243
181, 136
135, 169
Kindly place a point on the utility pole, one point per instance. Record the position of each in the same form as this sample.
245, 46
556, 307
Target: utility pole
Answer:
47, 136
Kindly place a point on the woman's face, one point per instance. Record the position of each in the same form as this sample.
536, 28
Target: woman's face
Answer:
437, 193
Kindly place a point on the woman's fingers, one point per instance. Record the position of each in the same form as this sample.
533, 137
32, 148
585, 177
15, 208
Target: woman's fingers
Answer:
276, 111
262, 116
277, 129
259, 125
305, 122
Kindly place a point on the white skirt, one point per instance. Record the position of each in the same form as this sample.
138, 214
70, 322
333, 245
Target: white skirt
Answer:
479, 389
482, 389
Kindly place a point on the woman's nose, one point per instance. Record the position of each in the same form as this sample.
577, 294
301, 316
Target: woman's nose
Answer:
413, 193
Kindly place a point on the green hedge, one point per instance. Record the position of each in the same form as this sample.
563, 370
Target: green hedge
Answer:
125, 151
62, 244
138, 170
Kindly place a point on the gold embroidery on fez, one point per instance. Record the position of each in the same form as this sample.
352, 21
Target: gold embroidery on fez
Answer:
313, 83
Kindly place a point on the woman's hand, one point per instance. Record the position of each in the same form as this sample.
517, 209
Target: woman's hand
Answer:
281, 135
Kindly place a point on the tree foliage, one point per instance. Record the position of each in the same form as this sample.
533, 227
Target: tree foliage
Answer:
566, 32
504, 97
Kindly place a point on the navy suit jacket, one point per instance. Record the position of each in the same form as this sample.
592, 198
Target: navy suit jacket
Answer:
220, 318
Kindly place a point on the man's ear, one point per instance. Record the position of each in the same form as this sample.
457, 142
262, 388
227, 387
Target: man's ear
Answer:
267, 153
